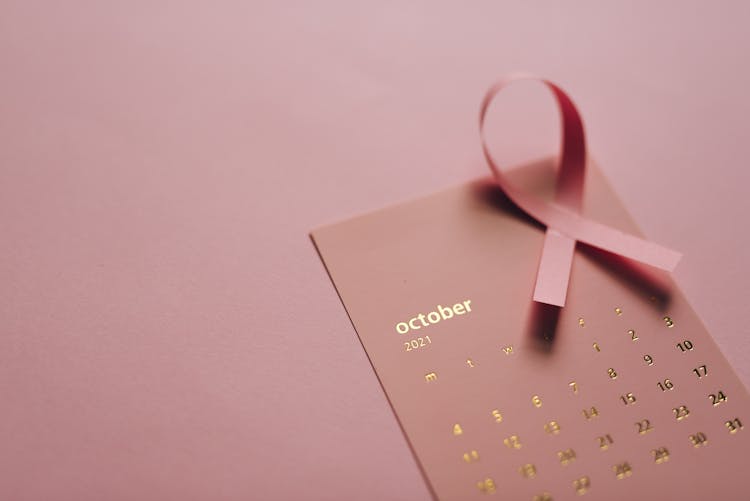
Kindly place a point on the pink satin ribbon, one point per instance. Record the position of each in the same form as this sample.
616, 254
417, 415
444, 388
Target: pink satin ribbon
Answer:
565, 224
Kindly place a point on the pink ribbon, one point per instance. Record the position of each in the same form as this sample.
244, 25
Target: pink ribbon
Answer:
565, 224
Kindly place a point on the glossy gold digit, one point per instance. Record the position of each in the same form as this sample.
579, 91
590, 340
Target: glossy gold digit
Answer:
457, 430
699, 439
566, 457
545, 496
628, 399
633, 335
582, 485
417, 343
681, 412
648, 359
471, 456
618, 311
668, 322
581, 322
527, 471
596, 347
487, 486
684, 346
553, 428
573, 386
497, 415
644, 426
512, 442
430, 377
508, 350
660, 455
612, 373
665, 385
622, 470
733, 425
536, 401
605, 441
701, 371
717, 398
590, 413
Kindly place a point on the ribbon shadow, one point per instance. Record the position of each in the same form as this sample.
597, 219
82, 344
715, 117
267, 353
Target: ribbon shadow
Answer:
541, 327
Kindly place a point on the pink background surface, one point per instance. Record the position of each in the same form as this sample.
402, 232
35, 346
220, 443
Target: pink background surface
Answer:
168, 331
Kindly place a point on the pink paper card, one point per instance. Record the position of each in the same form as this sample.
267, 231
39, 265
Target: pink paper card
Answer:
621, 394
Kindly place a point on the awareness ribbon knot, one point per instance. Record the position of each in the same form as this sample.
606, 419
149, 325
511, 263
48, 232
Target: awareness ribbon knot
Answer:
562, 217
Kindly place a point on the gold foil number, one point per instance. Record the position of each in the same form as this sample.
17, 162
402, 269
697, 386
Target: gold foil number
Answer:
553, 428
622, 470
612, 373
430, 377
684, 346
648, 359
633, 335
497, 415
701, 371
733, 425
486, 486
545, 496
596, 347
471, 456
628, 398
590, 413
681, 412
536, 401
417, 343
573, 386
457, 430
582, 485
667, 384
512, 442
661, 455
566, 457
717, 398
644, 426
605, 441
527, 471
668, 322
699, 439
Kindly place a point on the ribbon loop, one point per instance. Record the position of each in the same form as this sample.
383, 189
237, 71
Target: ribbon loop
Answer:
563, 218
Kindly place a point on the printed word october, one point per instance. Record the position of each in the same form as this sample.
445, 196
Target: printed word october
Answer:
433, 317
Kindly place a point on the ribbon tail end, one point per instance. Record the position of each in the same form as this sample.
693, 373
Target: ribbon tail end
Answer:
552, 301
554, 269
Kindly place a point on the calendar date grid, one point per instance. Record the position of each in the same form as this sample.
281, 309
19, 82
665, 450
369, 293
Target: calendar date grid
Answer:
640, 350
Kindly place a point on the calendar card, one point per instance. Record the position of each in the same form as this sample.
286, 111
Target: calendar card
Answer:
620, 394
